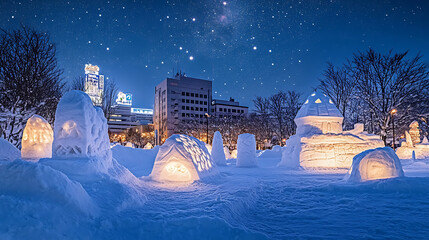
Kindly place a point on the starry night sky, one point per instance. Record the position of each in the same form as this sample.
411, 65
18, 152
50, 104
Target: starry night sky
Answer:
246, 47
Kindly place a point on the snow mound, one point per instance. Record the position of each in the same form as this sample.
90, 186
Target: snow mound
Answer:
80, 129
37, 139
275, 152
218, 152
8, 151
182, 159
138, 161
379, 163
36, 181
246, 150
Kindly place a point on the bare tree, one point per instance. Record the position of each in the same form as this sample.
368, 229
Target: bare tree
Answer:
109, 96
78, 84
263, 127
30, 80
292, 105
278, 111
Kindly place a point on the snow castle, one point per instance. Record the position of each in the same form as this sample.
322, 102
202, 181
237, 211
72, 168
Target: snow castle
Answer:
320, 141
182, 159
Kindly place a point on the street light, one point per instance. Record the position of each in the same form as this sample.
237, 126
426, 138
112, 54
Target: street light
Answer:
207, 121
392, 112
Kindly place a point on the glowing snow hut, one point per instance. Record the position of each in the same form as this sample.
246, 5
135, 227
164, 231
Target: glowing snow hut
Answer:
80, 129
380, 163
182, 159
37, 139
319, 141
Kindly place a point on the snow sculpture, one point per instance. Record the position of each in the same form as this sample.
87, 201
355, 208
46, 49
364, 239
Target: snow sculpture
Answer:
379, 163
8, 152
148, 146
246, 150
37, 139
218, 154
209, 147
129, 144
226, 151
182, 159
80, 129
412, 148
415, 132
319, 141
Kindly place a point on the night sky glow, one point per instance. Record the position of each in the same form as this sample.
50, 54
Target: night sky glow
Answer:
246, 47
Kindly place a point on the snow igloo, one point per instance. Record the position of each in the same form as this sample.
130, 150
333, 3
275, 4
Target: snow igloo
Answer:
246, 150
182, 158
37, 139
373, 164
320, 142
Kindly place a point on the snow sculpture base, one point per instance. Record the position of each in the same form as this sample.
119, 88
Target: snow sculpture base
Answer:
419, 151
8, 152
373, 164
37, 139
246, 150
182, 159
217, 152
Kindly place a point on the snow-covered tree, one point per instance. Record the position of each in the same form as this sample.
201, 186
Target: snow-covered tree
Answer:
30, 80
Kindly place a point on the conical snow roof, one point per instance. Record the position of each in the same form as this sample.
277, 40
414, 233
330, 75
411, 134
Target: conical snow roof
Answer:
318, 104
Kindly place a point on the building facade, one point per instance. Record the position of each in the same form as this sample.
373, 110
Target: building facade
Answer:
178, 100
94, 84
231, 108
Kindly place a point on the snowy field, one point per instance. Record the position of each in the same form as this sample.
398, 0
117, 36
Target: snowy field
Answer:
243, 203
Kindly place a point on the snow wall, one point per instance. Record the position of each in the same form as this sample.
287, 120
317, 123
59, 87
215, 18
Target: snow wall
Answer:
183, 158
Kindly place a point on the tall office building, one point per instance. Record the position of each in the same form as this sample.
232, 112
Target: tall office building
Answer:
180, 99
94, 84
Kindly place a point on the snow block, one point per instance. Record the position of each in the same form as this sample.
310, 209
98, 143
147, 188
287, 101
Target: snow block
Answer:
246, 150
80, 129
379, 163
182, 159
37, 139
218, 152
226, 152
31, 180
8, 152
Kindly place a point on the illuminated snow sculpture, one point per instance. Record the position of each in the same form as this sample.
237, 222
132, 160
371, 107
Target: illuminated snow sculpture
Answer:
246, 150
379, 163
8, 151
412, 148
81, 143
182, 159
148, 146
227, 153
37, 139
218, 152
319, 141
234, 154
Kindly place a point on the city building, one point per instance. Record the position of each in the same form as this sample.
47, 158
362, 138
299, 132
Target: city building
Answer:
94, 84
231, 108
178, 100
123, 116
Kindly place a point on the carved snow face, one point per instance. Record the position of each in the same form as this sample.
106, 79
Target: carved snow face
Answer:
69, 129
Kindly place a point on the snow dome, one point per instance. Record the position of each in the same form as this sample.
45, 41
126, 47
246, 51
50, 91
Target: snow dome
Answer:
37, 139
8, 151
319, 141
218, 153
246, 150
318, 114
379, 163
80, 129
182, 159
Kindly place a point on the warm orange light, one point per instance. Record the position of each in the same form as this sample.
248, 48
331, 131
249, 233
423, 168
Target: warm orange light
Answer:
393, 111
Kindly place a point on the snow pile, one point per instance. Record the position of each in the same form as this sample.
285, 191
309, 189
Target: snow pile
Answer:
37, 139
8, 151
218, 152
412, 148
320, 141
81, 143
182, 159
246, 150
35, 181
137, 161
379, 163
227, 153
275, 152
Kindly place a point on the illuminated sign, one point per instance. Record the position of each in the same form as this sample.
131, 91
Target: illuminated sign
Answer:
91, 69
142, 111
94, 83
124, 99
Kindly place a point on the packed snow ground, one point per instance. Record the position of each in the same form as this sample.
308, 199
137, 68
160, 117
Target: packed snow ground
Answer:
243, 203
